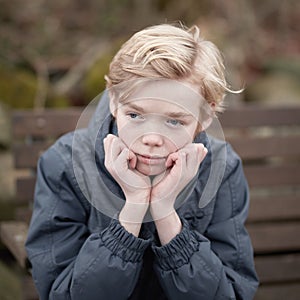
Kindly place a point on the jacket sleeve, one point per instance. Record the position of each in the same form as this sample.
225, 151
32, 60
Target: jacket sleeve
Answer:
69, 262
218, 264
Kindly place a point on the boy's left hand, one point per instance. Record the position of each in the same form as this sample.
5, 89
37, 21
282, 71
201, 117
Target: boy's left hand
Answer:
182, 166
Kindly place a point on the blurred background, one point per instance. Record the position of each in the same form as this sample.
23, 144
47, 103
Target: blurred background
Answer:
56, 53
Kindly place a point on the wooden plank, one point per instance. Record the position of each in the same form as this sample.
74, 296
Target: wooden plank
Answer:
23, 214
13, 235
25, 189
29, 291
278, 268
272, 175
289, 291
257, 176
249, 116
50, 122
284, 207
26, 156
274, 237
265, 147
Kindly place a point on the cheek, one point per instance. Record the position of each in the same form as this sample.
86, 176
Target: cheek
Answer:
181, 138
128, 133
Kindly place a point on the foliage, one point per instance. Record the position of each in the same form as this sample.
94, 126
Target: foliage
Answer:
39, 35
93, 82
17, 87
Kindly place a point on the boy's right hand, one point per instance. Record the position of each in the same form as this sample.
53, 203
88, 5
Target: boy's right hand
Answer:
121, 162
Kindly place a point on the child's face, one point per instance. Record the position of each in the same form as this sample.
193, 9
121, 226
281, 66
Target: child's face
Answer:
157, 121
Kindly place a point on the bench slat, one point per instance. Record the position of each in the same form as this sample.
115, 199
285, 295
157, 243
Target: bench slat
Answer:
52, 122
26, 156
274, 208
64, 120
23, 214
275, 237
25, 189
28, 288
278, 175
278, 268
261, 208
290, 291
265, 237
253, 148
249, 116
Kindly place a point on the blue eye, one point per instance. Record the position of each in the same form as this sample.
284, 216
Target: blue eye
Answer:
174, 122
133, 115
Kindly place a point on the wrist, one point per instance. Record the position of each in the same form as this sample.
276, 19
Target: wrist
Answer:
131, 217
168, 227
161, 208
133, 212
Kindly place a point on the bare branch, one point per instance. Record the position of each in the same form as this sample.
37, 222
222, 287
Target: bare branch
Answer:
41, 69
76, 73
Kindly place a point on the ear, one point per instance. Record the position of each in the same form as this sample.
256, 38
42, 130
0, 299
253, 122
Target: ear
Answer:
213, 106
207, 117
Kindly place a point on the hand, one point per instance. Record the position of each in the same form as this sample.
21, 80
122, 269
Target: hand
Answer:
182, 166
121, 162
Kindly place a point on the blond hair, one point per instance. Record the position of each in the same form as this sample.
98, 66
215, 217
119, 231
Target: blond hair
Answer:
169, 52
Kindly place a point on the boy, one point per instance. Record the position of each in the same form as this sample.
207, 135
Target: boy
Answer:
117, 210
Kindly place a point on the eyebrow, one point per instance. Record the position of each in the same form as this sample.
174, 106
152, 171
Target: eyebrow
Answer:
170, 114
135, 107
179, 115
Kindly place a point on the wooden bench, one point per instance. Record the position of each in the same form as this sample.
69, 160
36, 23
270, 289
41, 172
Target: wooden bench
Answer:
267, 139
33, 132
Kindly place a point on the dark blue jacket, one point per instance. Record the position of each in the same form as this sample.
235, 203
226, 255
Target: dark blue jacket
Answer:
78, 250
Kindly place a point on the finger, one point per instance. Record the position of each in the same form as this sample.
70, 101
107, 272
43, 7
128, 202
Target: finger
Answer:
113, 147
182, 161
171, 159
107, 149
123, 158
195, 155
127, 158
117, 147
107, 142
179, 164
201, 152
132, 159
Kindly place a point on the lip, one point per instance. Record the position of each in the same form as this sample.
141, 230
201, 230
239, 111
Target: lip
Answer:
151, 160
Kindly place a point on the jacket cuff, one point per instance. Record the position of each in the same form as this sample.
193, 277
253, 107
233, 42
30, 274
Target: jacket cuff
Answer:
122, 243
178, 251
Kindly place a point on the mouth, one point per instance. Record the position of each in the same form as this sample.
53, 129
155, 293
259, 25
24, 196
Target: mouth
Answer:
151, 159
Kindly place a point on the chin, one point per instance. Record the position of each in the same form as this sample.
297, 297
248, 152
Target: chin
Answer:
150, 170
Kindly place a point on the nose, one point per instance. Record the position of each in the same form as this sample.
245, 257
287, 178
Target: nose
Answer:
152, 140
